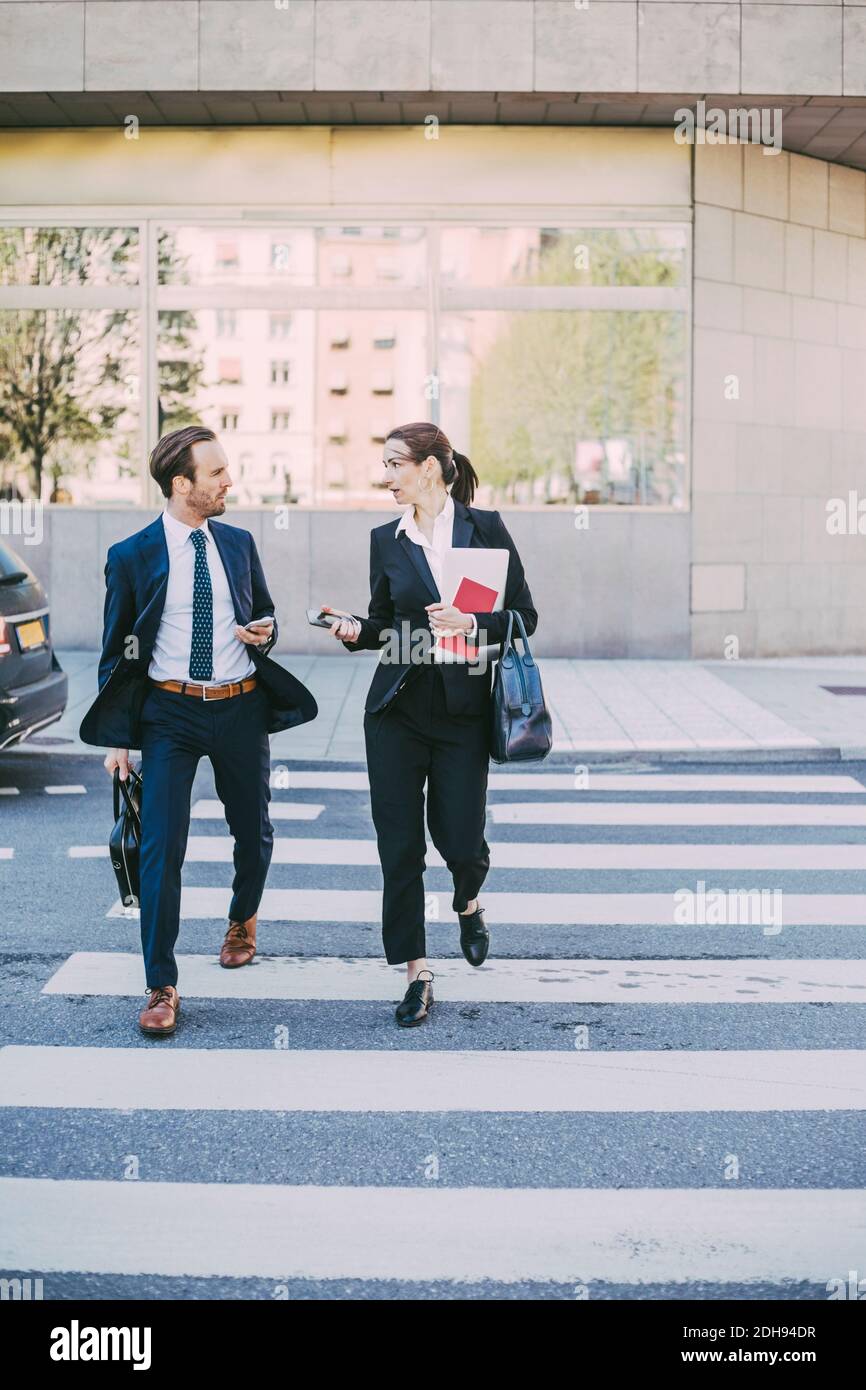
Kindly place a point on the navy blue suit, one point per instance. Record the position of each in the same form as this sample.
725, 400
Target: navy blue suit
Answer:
136, 575
174, 731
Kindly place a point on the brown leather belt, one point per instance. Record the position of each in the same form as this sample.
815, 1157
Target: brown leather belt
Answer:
226, 691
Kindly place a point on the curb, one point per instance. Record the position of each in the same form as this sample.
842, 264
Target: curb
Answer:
559, 757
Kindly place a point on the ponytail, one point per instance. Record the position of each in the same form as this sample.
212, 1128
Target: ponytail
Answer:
466, 479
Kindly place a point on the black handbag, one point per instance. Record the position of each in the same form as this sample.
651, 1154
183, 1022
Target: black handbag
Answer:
124, 844
521, 730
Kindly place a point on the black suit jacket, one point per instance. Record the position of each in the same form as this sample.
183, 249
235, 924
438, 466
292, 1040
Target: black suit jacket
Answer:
402, 584
136, 576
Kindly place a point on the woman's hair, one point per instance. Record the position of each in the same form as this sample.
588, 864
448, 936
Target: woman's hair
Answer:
172, 455
422, 439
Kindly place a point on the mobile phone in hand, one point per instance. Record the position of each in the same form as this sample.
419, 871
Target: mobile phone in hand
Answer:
317, 618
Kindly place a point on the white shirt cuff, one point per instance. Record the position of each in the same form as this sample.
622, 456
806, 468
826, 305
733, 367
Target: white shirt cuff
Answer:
474, 629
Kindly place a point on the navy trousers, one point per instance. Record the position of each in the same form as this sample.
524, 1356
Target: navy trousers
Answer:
413, 742
176, 731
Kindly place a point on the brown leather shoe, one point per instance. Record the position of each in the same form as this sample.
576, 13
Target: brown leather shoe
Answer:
160, 1016
239, 945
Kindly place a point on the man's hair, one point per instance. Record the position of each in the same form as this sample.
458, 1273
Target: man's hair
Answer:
172, 456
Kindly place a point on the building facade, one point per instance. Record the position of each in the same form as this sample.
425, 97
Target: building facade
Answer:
304, 224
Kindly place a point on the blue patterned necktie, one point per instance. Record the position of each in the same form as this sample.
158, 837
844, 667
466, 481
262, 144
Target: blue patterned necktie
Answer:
201, 653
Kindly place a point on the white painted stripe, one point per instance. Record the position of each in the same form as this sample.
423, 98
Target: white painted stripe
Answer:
118, 1078
75, 790
504, 854
670, 813
248, 1230
708, 782
279, 810
533, 981
551, 909
6, 853
9, 791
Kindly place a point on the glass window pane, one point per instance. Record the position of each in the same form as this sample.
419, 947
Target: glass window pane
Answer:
492, 256
343, 257
300, 416
69, 405
68, 255
568, 407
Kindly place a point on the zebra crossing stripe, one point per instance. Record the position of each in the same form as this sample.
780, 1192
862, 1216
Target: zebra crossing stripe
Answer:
503, 1234
671, 813
509, 854
708, 782
186, 1078
637, 1235
310, 905
210, 809
119, 973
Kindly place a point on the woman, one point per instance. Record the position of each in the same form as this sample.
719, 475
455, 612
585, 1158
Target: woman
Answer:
426, 721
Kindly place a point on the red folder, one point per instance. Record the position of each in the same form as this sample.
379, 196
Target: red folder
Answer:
471, 597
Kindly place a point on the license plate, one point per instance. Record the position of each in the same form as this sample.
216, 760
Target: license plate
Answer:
31, 634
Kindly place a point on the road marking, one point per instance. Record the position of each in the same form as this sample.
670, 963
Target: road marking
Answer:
248, 1230
279, 810
552, 909
119, 973
670, 813
708, 782
6, 853
187, 1078
76, 790
505, 854
9, 791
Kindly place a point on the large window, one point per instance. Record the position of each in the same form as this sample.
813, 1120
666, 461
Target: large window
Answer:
556, 357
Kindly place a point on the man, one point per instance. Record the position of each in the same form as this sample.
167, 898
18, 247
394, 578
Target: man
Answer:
185, 672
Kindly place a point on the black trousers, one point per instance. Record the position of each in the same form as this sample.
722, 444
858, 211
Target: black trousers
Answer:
415, 741
176, 731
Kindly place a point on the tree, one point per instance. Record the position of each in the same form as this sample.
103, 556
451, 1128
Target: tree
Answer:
68, 377
553, 378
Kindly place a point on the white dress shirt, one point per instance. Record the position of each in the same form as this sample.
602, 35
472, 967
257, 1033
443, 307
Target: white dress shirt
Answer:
443, 529
171, 649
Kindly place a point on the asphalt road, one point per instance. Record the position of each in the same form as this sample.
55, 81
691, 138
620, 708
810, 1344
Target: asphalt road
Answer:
683, 1117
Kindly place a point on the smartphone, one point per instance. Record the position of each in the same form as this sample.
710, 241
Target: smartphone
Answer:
320, 619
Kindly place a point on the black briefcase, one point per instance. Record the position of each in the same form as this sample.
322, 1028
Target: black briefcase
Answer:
124, 845
521, 730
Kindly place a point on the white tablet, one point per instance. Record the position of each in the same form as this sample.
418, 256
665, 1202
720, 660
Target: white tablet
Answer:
474, 578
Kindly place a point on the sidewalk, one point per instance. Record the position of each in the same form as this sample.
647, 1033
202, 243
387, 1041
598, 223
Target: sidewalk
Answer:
671, 710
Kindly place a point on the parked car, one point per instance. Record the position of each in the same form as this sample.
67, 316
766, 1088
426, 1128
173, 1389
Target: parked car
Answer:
33, 685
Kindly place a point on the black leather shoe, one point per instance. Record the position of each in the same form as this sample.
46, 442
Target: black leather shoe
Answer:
416, 1002
474, 936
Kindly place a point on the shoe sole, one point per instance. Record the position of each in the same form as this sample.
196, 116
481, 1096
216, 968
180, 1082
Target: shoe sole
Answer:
228, 965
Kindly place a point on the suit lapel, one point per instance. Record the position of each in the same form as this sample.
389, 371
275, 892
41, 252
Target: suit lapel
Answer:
417, 557
224, 542
462, 532
464, 526
153, 563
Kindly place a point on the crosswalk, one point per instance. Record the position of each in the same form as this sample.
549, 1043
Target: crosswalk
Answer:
622, 1097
